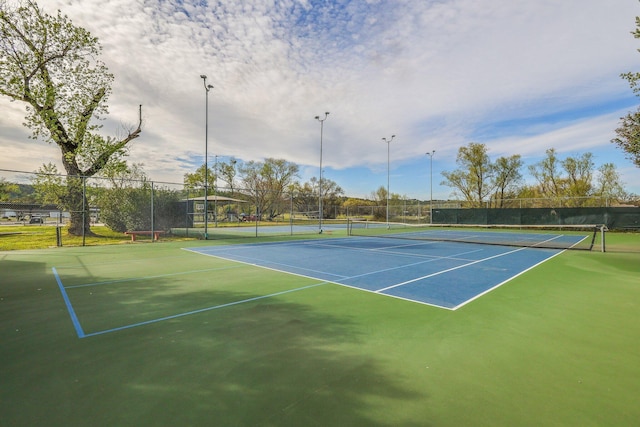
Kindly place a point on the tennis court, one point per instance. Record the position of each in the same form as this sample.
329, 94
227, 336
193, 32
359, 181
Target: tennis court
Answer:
442, 274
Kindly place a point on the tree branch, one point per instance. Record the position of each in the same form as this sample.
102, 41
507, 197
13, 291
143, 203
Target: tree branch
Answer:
102, 160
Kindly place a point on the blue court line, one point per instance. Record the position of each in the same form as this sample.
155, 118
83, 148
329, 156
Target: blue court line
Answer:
82, 334
72, 313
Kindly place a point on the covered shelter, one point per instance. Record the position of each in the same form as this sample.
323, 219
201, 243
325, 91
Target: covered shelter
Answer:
214, 202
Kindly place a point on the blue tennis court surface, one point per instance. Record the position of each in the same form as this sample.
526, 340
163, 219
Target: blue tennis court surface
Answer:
442, 274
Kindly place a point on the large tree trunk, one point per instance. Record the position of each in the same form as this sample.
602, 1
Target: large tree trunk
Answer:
76, 202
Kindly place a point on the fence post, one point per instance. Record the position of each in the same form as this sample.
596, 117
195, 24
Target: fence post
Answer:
291, 212
152, 223
84, 209
186, 223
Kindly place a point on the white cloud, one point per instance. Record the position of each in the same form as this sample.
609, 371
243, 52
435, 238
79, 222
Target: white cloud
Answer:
432, 72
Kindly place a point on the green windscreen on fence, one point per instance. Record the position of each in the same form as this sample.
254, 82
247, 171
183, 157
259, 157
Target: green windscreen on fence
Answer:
615, 218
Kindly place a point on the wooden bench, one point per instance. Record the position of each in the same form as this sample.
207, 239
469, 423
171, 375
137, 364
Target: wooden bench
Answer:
133, 234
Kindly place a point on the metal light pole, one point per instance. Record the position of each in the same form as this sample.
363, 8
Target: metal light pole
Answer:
388, 141
431, 185
207, 88
326, 114
215, 192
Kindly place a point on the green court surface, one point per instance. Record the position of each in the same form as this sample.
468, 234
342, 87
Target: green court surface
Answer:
174, 338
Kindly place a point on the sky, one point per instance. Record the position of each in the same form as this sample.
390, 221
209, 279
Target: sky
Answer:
519, 76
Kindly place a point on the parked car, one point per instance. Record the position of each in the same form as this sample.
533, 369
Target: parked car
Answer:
249, 217
36, 220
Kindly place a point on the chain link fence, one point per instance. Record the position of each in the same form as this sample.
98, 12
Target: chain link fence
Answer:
64, 210
61, 210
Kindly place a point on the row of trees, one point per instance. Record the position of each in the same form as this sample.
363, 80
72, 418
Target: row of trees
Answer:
125, 197
271, 185
483, 182
121, 192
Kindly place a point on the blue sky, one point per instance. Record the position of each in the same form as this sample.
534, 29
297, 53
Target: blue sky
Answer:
518, 76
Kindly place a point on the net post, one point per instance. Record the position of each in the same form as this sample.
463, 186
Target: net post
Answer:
603, 230
593, 237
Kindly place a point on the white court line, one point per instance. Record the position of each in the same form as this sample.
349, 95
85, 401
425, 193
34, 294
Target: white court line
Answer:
400, 254
503, 282
254, 262
448, 270
342, 279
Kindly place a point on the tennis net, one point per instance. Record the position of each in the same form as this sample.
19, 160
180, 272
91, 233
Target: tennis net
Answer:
582, 237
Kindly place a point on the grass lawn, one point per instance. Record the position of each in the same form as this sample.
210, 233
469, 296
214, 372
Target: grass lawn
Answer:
14, 237
558, 345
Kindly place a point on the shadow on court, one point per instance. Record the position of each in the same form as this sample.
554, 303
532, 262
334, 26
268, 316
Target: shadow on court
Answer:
269, 362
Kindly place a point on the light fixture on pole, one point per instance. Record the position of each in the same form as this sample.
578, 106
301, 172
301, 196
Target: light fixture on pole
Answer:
431, 185
207, 88
388, 141
326, 114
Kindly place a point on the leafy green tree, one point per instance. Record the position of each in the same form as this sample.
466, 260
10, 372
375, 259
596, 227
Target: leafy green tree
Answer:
609, 185
571, 178
548, 174
473, 178
380, 196
507, 178
634, 78
306, 196
266, 182
227, 172
126, 204
579, 172
628, 136
529, 196
52, 66
194, 182
628, 133
48, 185
331, 196
7, 189
358, 207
